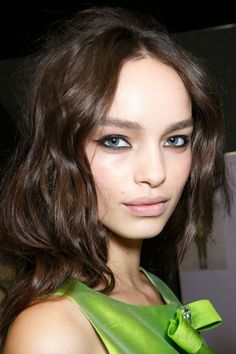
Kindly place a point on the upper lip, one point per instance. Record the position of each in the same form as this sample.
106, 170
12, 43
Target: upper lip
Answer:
147, 200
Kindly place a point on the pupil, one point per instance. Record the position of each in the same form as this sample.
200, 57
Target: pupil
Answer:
114, 141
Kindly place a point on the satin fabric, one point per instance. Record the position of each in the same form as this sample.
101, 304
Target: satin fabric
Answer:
133, 329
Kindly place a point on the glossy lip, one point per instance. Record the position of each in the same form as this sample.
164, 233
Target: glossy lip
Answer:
147, 206
147, 200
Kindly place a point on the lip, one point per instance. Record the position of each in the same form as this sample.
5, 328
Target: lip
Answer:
147, 206
147, 200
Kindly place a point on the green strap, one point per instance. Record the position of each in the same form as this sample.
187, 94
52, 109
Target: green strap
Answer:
164, 290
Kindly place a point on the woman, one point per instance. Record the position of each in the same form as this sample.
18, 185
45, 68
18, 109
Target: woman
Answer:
122, 141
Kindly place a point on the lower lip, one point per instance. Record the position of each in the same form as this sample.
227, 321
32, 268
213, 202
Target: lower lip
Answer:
147, 209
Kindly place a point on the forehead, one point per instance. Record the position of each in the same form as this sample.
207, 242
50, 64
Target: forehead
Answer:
150, 73
149, 88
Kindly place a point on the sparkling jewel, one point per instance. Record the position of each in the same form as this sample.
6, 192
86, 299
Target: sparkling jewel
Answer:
187, 314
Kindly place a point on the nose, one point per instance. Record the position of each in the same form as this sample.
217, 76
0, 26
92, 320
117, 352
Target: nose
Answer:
150, 166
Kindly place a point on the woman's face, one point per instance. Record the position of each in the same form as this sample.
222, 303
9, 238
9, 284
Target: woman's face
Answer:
140, 156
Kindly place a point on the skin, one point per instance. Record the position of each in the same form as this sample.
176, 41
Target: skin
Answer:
153, 159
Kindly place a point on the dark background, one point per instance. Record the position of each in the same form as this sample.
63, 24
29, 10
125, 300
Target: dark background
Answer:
22, 24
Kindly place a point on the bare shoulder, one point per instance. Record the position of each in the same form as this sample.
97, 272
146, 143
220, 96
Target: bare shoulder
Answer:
51, 327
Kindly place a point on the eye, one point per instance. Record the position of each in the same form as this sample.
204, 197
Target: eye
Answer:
113, 142
177, 141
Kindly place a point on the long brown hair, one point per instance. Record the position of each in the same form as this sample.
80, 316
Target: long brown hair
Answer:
48, 211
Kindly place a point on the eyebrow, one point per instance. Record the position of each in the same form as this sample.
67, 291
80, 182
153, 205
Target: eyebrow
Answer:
186, 123
131, 125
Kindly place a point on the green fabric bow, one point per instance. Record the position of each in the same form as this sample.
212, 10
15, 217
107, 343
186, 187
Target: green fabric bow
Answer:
197, 316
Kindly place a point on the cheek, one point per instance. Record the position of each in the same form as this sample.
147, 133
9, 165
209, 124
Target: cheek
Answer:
186, 168
103, 177
188, 165
108, 179
109, 171
181, 168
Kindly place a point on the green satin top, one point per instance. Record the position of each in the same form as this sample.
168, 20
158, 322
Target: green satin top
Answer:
131, 329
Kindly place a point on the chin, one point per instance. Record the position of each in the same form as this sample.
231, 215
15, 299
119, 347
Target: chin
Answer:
139, 233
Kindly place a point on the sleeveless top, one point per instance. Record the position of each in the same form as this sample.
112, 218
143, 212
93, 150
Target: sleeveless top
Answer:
151, 329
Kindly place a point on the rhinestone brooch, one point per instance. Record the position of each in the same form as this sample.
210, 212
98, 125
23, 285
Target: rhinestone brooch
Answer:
187, 314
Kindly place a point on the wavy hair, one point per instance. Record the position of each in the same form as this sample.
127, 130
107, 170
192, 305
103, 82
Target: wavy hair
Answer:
48, 211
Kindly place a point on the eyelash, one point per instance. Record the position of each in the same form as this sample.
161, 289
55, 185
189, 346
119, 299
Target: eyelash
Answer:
185, 138
103, 140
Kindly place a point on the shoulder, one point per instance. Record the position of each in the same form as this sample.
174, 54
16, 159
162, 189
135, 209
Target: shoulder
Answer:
53, 326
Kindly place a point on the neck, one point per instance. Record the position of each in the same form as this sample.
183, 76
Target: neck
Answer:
124, 259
